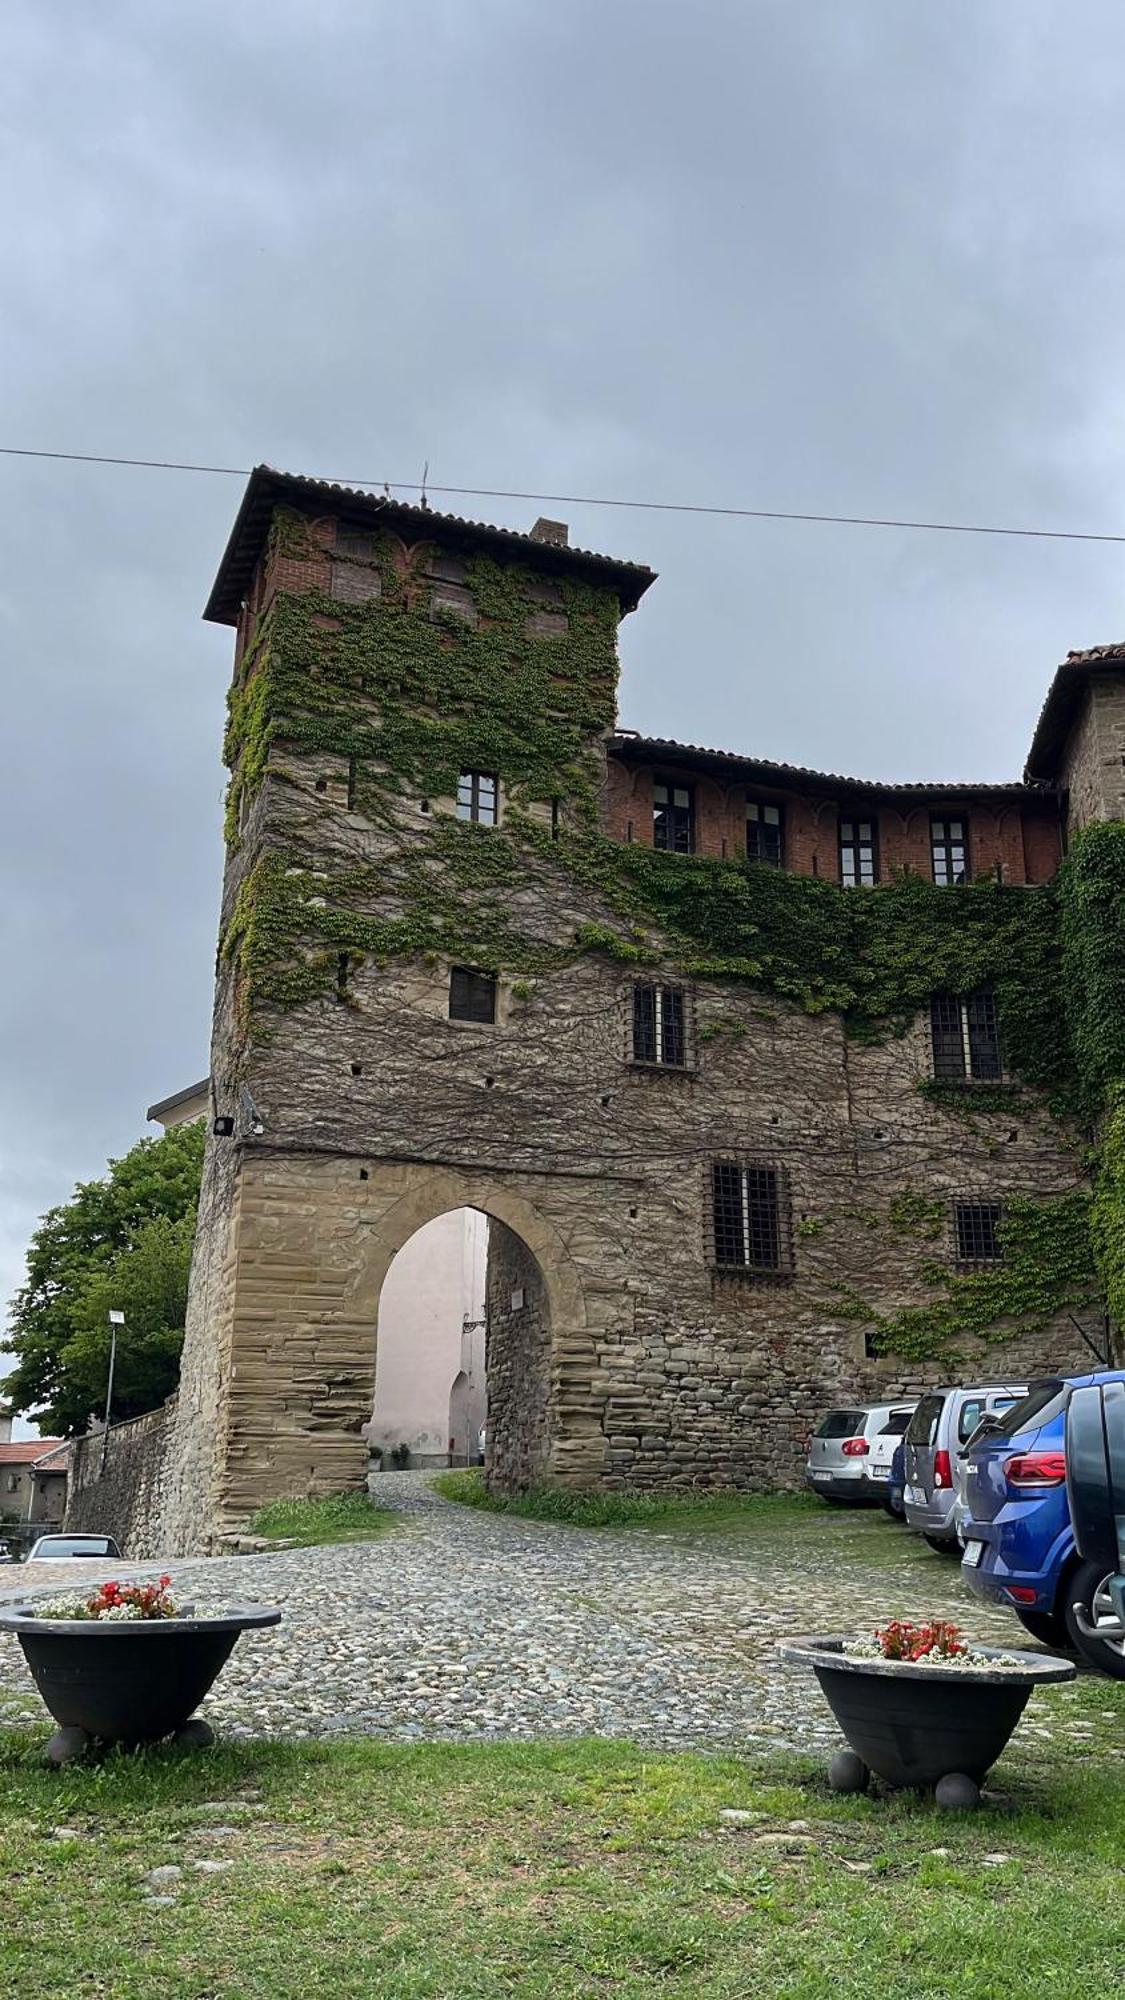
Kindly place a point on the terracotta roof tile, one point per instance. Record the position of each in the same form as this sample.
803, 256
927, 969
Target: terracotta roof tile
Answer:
629, 744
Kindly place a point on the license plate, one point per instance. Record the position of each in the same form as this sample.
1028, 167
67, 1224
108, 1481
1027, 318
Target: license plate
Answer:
822, 1475
972, 1555
880, 1472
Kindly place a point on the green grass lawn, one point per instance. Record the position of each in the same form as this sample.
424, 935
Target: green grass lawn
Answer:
720, 1511
341, 1517
359, 1869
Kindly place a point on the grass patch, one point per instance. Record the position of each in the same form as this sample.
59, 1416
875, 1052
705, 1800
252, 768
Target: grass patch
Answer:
718, 1510
341, 1517
552, 1872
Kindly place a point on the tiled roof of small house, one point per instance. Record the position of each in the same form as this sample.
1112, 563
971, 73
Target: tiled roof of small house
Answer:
267, 489
1061, 706
29, 1450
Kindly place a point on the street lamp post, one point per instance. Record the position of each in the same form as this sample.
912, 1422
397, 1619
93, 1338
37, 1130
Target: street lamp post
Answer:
116, 1319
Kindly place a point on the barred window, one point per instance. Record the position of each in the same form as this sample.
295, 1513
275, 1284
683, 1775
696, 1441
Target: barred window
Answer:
673, 818
948, 849
966, 1037
659, 1025
472, 994
859, 856
750, 1222
978, 1232
477, 793
765, 831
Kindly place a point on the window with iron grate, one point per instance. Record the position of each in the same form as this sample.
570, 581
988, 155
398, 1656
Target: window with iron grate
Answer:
978, 1232
673, 818
750, 1224
765, 833
478, 797
965, 1034
472, 994
659, 1025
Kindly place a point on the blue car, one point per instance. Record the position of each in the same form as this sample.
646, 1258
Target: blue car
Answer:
1014, 1521
894, 1498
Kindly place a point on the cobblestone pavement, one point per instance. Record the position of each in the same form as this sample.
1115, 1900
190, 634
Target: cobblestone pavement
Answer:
461, 1624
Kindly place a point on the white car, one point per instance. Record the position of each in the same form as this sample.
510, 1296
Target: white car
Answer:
71, 1548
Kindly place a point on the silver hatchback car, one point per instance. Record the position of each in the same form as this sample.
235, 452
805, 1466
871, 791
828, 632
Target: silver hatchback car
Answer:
936, 1437
851, 1449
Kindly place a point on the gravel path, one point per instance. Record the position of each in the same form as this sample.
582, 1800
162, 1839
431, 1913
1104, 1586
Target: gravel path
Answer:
461, 1624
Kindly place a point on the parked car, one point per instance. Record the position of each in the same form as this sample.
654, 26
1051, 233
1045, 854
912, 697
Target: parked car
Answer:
937, 1433
1019, 1541
850, 1452
70, 1548
893, 1499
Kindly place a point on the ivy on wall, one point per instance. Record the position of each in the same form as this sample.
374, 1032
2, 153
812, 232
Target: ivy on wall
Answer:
404, 696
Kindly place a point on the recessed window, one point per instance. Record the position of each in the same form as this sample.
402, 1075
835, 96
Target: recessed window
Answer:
477, 793
472, 995
765, 833
673, 818
859, 854
455, 600
359, 543
659, 1025
352, 584
750, 1220
948, 849
966, 1037
978, 1232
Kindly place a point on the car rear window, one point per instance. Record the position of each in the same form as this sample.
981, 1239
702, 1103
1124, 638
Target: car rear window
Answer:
1043, 1402
922, 1428
896, 1423
841, 1424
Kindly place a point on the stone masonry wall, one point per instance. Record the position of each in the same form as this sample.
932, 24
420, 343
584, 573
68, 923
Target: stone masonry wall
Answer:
127, 1499
518, 1362
1095, 755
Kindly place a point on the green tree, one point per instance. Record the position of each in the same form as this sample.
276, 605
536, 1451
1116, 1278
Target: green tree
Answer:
123, 1242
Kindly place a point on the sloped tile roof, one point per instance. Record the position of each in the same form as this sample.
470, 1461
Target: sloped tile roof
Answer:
28, 1450
631, 747
267, 489
1057, 715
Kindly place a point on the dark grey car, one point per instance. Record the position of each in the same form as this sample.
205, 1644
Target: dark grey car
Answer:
936, 1435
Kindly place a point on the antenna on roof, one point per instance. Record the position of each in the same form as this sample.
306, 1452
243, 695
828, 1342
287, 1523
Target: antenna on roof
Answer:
423, 502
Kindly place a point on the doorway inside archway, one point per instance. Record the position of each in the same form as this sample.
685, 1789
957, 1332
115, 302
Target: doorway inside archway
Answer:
462, 1371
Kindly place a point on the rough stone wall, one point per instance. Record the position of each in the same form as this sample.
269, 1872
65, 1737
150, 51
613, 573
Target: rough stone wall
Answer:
127, 1499
519, 1364
1094, 763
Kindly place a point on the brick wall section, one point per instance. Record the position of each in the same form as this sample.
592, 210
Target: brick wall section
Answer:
519, 1364
1021, 838
128, 1499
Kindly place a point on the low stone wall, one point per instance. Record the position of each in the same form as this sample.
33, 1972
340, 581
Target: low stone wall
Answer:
125, 1499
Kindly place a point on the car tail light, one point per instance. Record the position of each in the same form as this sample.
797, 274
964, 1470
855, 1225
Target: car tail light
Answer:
855, 1447
1036, 1468
1020, 1593
943, 1471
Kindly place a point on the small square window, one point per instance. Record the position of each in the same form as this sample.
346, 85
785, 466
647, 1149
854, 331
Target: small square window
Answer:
978, 1232
673, 818
477, 797
948, 850
764, 833
472, 995
659, 1025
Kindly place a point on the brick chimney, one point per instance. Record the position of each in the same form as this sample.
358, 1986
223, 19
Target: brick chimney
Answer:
555, 532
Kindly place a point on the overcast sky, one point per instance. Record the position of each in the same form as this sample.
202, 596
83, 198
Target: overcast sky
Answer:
860, 257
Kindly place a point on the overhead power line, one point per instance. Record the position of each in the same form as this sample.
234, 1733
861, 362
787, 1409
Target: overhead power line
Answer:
590, 500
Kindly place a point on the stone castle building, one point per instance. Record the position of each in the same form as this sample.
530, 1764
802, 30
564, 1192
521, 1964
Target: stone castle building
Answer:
752, 1068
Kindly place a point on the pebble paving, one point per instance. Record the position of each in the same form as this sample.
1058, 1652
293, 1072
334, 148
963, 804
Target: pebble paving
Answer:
461, 1625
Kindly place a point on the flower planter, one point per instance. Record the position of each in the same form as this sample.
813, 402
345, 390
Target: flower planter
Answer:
916, 1726
128, 1682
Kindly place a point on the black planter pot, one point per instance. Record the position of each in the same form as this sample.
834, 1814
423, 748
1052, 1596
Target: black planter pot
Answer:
915, 1726
130, 1680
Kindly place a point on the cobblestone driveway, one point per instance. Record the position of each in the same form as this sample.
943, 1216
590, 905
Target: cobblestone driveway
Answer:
463, 1624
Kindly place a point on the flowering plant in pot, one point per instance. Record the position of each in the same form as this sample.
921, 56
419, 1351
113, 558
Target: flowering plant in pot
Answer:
126, 1663
921, 1706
